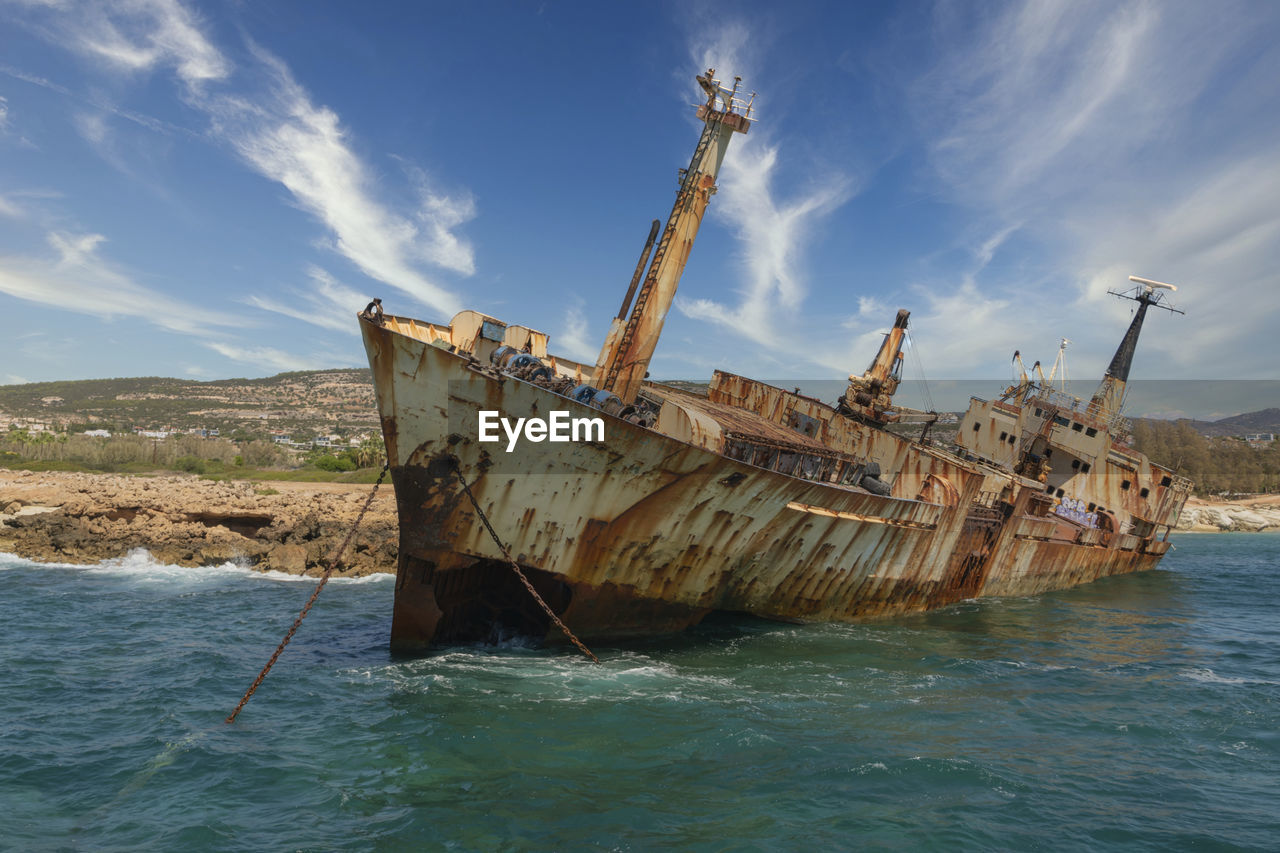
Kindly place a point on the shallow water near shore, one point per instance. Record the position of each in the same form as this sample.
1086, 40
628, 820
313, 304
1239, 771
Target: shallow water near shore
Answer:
1135, 713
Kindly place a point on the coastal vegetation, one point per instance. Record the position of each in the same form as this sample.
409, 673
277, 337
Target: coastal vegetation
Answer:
212, 458
1216, 465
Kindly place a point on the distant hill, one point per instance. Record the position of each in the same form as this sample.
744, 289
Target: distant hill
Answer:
317, 402
1264, 420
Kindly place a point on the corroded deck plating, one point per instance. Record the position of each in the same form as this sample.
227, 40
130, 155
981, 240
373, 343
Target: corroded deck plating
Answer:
645, 533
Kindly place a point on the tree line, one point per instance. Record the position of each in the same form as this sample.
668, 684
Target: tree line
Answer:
190, 453
1215, 465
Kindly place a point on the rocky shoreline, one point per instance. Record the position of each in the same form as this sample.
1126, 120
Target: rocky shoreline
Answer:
187, 521
1250, 515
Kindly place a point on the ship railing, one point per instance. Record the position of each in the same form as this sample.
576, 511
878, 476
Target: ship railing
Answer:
806, 463
733, 102
1060, 399
1117, 425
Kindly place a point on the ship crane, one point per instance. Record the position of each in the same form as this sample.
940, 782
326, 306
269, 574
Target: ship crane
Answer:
1060, 363
869, 397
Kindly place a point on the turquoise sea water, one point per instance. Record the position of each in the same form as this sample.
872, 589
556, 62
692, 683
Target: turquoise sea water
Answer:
1136, 713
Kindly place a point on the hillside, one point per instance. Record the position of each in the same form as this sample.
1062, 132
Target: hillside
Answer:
1264, 420
306, 402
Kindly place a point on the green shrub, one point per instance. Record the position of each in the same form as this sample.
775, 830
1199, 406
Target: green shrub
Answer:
334, 463
190, 464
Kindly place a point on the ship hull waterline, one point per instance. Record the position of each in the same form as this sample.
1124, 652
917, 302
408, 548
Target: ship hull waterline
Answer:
641, 534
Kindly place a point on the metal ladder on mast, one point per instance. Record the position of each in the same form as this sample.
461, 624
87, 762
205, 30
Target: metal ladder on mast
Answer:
659, 252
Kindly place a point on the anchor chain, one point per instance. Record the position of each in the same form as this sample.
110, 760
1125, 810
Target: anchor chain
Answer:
332, 563
515, 567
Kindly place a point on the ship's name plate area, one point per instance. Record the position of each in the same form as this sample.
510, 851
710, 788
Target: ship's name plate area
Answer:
557, 426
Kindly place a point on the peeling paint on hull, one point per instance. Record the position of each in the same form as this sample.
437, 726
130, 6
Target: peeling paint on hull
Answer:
643, 534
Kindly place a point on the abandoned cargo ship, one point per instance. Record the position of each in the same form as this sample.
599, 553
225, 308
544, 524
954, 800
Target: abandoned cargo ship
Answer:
747, 498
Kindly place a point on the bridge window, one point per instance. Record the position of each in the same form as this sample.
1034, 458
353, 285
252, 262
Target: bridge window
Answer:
976, 427
1166, 481
1091, 432
1075, 463
1059, 492
1003, 436
1124, 485
1076, 427
1011, 439
1144, 492
1085, 467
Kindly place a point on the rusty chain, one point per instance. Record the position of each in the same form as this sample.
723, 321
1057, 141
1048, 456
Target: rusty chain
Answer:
516, 566
332, 563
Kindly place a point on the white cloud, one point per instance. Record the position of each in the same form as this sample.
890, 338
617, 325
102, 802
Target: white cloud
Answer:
1120, 139
268, 357
573, 339
287, 138
270, 121
773, 231
8, 208
328, 303
80, 280
139, 35
773, 234
724, 47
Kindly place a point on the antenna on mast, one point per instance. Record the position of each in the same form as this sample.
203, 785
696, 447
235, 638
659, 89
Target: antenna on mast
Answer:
1109, 397
1149, 292
1060, 362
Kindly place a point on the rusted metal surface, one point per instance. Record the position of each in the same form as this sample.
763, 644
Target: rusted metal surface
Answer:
646, 533
624, 360
750, 498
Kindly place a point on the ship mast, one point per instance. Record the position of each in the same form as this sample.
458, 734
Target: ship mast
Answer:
1109, 397
624, 358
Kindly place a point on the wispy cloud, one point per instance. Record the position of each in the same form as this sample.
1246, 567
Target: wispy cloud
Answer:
327, 303
1220, 241
1062, 117
140, 35
267, 357
773, 234
772, 230
272, 124
573, 339
287, 138
79, 279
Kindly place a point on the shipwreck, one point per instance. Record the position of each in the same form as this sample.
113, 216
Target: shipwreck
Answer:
746, 498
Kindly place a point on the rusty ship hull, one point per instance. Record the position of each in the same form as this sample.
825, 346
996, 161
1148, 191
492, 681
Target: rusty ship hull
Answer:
644, 534
747, 498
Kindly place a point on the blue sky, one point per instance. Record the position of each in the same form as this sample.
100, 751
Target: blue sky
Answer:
214, 189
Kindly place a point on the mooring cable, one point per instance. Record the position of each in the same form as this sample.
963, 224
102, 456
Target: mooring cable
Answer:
515, 567
332, 563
